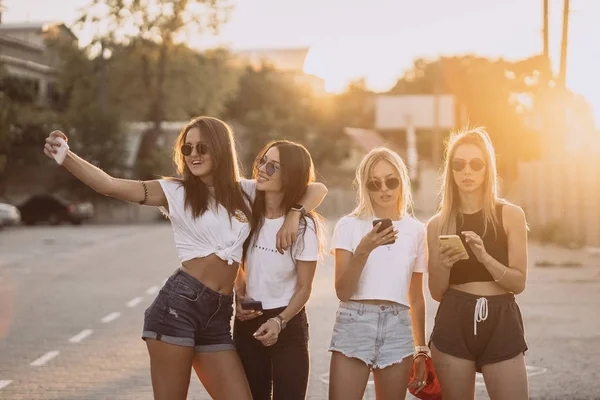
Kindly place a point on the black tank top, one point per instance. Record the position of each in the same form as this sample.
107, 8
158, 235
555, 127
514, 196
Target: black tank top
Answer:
495, 242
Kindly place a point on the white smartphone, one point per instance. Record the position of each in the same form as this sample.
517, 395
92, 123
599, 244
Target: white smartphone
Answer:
61, 151
454, 241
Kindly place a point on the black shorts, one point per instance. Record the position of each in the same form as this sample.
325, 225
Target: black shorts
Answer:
499, 337
188, 313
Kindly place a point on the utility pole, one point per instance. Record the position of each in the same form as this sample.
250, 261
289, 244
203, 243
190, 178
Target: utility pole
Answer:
562, 74
545, 31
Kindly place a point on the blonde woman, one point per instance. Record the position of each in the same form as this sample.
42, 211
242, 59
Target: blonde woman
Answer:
379, 281
478, 326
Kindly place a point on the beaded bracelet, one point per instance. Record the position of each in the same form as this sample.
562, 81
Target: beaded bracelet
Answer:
145, 192
419, 354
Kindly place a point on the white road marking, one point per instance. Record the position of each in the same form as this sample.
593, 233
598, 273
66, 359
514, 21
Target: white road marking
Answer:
111, 317
4, 383
81, 336
45, 358
134, 302
152, 290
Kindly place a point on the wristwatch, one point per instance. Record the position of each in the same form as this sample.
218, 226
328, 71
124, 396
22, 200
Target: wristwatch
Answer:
283, 321
299, 208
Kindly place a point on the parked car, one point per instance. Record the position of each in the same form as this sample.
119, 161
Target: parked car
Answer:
9, 215
53, 209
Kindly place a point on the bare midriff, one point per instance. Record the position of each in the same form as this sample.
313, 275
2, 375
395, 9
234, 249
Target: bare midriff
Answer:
212, 272
480, 288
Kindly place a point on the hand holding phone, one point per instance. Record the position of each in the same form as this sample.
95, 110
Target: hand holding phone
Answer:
385, 223
61, 151
455, 250
253, 305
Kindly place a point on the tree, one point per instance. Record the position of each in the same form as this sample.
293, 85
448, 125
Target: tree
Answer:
497, 94
153, 27
271, 105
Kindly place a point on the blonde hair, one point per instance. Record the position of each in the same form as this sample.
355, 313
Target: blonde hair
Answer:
448, 209
364, 209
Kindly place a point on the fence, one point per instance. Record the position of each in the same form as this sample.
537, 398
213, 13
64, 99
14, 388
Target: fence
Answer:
561, 198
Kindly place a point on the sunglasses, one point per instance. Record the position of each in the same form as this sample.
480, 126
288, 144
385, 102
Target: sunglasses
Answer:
390, 183
476, 164
270, 167
187, 149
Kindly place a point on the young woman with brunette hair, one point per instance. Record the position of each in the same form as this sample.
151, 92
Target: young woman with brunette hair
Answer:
273, 340
209, 208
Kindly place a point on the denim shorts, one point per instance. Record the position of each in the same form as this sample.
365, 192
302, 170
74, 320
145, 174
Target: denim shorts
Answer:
378, 335
187, 313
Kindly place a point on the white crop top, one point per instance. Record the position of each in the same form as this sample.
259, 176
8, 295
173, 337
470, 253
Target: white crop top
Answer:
214, 232
388, 270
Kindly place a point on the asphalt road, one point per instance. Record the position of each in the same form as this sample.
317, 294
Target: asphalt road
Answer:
72, 302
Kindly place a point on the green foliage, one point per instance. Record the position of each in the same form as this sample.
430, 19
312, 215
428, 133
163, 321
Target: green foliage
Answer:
142, 35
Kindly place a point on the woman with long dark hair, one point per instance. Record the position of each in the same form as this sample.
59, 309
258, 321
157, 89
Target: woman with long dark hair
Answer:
273, 341
209, 208
478, 326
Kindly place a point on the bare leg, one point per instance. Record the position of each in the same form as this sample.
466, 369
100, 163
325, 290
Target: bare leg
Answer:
348, 377
507, 380
456, 375
391, 382
170, 368
222, 375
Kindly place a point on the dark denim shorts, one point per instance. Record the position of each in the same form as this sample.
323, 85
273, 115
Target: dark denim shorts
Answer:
187, 313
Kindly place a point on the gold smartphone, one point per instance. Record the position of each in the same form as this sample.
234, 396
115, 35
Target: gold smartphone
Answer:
454, 241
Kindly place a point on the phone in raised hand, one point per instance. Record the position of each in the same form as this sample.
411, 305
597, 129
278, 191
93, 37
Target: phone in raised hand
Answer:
61, 151
385, 223
454, 242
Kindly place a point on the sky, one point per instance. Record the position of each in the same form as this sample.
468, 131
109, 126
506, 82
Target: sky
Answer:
379, 39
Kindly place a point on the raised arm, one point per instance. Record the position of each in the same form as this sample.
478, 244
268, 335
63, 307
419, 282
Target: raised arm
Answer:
103, 183
286, 237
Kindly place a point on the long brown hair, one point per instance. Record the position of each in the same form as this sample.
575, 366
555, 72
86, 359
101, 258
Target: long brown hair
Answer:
297, 172
225, 167
449, 207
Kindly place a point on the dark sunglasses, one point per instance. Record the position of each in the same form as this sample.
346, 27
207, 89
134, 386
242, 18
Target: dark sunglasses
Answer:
390, 183
270, 167
476, 164
187, 149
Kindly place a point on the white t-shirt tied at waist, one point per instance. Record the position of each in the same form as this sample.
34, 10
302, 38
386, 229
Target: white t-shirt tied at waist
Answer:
388, 270
213, 232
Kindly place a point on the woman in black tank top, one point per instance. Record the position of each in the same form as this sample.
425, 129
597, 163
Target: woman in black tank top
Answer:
478, 326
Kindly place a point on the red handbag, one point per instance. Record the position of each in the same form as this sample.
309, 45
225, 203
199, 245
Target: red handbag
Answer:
433, 389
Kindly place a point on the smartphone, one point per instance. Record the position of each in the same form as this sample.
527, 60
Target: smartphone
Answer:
61, 151
252, 305
385, 223
454, 241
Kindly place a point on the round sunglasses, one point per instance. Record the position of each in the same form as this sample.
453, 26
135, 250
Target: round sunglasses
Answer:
459, 164
270, 167
187, 149
376, 185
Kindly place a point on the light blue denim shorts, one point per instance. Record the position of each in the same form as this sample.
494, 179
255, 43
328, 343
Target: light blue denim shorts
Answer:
378, 335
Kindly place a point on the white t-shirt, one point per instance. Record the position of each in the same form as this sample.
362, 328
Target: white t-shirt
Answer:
214, 232
271, 276
388, 270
